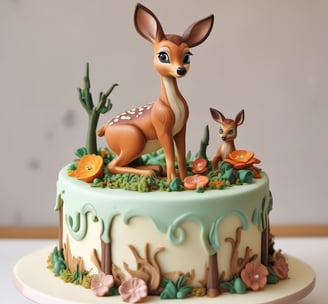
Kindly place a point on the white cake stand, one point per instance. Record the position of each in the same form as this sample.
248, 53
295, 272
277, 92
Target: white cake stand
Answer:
38, 284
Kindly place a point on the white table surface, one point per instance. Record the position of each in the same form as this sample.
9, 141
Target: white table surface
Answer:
313, 251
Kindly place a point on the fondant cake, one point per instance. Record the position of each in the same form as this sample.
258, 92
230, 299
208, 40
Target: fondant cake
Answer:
135, 221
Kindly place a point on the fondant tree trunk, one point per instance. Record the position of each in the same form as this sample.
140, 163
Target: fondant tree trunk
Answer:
213, 276
265, 243
203, 144
59, 209
104, 105
106, 257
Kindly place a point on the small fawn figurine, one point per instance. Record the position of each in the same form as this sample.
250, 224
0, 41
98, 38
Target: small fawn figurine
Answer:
227, 132
161, 123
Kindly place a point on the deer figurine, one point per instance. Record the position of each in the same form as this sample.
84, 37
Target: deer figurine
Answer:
227, 132
161, 123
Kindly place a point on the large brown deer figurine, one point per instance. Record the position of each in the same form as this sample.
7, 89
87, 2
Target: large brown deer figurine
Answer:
161, 123
227, 132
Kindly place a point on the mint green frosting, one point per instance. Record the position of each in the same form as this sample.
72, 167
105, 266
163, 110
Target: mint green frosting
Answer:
167, 210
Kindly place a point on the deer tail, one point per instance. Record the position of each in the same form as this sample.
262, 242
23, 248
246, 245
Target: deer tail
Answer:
101, 131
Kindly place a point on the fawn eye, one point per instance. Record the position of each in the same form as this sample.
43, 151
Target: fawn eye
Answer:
186, 59
163, 57
220, 131
231, 131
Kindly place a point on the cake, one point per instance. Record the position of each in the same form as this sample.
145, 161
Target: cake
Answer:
135, 220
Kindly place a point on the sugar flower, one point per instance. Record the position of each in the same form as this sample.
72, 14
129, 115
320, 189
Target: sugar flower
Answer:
254, 275
280, 266
101, 283
133, 290
241, 159
199, 166
89, 167
195, 181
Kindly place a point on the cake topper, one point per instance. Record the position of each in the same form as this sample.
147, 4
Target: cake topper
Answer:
161, 123
227, 132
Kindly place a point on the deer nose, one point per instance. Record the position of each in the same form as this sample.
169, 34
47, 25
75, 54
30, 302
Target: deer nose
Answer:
224, 138
181, 71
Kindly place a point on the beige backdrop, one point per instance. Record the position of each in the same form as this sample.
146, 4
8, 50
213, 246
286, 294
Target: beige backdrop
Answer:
266, 56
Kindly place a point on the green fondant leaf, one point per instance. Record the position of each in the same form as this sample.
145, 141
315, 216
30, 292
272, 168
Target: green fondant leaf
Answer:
81, 152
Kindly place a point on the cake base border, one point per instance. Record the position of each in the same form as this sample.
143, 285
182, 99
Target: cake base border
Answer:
37, 283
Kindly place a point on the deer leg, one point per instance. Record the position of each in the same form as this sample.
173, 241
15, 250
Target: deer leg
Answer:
127, 142
168, 146
181, 149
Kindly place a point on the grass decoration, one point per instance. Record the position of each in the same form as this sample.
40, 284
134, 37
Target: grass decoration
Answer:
56, 263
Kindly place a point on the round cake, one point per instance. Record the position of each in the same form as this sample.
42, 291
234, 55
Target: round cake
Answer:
142, 217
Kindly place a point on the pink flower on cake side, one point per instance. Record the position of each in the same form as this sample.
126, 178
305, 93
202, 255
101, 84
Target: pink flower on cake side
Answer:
280, 266
133, 290
254, 275
101, 283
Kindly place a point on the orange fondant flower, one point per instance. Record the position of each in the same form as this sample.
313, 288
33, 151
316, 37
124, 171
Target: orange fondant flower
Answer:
89, 167
241, 159
133, 290
254, 275
101, 283
280, 266
195, 181
199, 166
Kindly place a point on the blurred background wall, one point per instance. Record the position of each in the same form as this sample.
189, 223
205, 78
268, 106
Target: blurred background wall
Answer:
267, 57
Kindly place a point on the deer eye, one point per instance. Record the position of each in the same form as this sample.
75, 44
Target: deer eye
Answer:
163, 57
220, 131
231, 131
186, 59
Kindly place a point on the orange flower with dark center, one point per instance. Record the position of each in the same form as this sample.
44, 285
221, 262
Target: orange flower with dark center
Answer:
199, 165
254, 275
241, 159
89, 168
195, 181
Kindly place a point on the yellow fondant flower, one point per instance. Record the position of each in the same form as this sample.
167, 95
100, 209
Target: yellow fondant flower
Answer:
89, 168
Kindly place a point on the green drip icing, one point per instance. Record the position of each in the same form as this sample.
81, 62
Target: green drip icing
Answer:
260, 215
214, 235
104, 205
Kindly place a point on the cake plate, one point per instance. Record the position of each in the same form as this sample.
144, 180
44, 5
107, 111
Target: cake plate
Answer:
37, 283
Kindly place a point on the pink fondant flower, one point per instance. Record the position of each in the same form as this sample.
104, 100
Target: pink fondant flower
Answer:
133, 290
280, 266
254, 275
101, 283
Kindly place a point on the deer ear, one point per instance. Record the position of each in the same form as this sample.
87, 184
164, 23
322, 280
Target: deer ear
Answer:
240, 117
147, 24
217, 116
198, 32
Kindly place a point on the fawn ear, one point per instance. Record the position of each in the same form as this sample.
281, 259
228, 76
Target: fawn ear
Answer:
198, 32
147, 24
217, 116
240, 118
